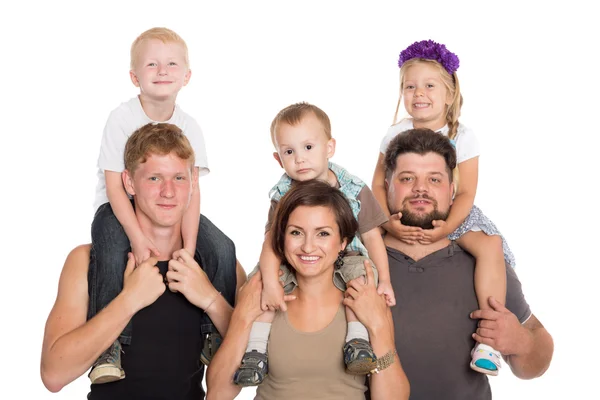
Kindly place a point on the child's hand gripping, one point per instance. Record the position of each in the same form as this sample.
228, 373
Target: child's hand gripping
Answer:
272, 298
408, 234
385, 288
142, 248
437, 233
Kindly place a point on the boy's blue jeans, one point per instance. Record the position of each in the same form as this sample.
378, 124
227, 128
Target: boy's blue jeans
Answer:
215, 253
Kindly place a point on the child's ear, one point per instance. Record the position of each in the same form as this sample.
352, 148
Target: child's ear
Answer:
330, 148
128, 182
134, 78
276, 157
187, 77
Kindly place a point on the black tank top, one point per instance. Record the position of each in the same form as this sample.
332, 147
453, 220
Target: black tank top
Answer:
163, 360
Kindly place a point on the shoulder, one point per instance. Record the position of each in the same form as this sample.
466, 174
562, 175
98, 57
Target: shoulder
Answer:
78, 260
400, 126
128, 115
126, 108
393, 131
184, 120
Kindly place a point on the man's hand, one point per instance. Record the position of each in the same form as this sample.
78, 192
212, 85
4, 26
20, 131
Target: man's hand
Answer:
408, 234
143, 248
437, 233
187, 277
142, 284
501, 329
385, 288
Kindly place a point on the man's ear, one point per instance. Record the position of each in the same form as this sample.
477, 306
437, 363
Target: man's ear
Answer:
276, 157
195, 174
452, 191
134, 78
128, 182
330, 148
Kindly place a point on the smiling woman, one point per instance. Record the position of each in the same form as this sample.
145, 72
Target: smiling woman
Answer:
313, 223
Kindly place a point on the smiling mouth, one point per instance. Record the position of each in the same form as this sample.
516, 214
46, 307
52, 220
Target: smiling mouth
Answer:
309, 258
421, 105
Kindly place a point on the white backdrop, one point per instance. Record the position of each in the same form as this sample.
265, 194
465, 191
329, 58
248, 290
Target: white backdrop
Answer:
529, 76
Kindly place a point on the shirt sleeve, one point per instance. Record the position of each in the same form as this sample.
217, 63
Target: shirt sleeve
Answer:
515, 300
112, 147
467, 145
370, 215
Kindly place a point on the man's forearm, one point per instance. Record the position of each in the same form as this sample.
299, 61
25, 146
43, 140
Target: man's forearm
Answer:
536, 358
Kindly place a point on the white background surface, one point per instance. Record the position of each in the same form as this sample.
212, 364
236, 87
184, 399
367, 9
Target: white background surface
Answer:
529, 76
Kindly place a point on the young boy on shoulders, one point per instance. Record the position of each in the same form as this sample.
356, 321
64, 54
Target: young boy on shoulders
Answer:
160, 69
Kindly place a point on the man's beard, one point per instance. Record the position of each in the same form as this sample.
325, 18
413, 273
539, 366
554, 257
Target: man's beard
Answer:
424, 221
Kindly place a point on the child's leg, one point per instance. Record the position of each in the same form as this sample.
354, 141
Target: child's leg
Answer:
215, 253
490, 281
358, 353
490, 268
254, 367
108, 258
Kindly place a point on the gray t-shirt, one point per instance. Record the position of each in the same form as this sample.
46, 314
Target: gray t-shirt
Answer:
434, 297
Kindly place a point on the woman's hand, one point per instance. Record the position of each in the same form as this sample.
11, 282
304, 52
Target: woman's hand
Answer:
369, 306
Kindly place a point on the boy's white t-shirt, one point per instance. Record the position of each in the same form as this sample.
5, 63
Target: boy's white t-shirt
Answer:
467, 145
126, 119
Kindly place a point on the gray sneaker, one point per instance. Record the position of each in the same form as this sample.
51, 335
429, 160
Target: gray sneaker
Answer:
359, 357
107, 367
212, 342
253, 371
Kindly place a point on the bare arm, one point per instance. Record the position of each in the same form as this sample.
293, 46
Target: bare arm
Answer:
121, 205
370, 308
377, 252
535, 357
465, 195
527, 347
378, 184
219, 376
71, 344
269, 265
191, 218
220, 311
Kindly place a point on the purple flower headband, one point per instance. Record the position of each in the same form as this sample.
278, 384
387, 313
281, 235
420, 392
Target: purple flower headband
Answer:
430, 50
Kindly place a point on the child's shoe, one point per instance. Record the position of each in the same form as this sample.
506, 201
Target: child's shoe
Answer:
254, 369
485, 359
359, 357
212, 342
107, 367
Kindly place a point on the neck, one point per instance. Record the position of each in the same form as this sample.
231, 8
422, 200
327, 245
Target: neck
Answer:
317, 290
433, 125
157, 110
167, 239
331, 178
415, 251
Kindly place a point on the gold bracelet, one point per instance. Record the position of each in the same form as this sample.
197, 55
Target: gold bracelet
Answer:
384, 361
211, 303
